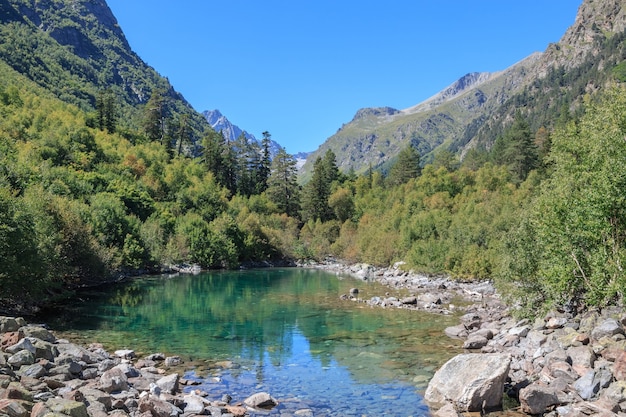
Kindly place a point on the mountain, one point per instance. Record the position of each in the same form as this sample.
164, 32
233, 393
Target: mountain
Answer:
77, 50
231, 132
475, 109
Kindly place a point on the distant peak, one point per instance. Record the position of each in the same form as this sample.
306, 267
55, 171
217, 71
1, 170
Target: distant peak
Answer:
375, 111
463, 84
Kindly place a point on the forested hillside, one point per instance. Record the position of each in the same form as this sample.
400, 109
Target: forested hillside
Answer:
95, 185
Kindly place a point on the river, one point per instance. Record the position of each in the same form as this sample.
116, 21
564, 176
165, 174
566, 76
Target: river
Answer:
281, 330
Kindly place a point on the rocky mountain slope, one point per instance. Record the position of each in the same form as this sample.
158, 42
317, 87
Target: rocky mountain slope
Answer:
76, 50
476, 108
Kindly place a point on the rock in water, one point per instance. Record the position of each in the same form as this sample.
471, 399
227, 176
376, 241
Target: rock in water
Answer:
472, 382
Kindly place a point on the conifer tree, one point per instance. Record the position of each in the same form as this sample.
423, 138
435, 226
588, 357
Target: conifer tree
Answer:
317, 191
282, 185
407, 166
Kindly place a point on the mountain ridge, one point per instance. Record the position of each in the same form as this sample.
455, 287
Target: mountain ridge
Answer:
471, 111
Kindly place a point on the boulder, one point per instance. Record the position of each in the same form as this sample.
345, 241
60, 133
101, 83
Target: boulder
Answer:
537, 398
475, 341
38, 332
23, 357
12, 408
11, 324
456, 332
67, 407
168, 383
608, 327
261, 400
471, 382
113, 380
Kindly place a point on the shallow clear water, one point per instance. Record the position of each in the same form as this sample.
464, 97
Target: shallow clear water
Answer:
284, 331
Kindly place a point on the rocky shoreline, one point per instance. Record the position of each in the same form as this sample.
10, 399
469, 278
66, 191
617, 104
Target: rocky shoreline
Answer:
42, 376
559, 365
563, 364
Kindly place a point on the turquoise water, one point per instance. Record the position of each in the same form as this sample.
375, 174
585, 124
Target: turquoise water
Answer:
284, 331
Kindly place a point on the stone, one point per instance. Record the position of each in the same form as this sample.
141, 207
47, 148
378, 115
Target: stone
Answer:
261, 400
23, 357
619, 368
38, 332
23, 344
78, 353
33, 371
67, 407
556, 322
582, 359
475, 341
39, 410
608, 327
12, 408
93, 395
125, 353
456, 332
471, 382
537, 398
11, 324
168, 383
520, 331
587, 385
172, 361
194, 404
158, 408
113, 380
447, 410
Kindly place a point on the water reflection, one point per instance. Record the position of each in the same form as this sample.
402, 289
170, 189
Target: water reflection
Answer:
273, 321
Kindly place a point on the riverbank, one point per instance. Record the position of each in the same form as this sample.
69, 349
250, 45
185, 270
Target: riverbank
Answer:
562, 364
42, 376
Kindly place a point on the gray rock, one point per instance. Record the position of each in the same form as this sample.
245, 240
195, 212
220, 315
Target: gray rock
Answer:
23, 344
261, 400
38, 332
447, 410
125, 353
21, 358
475, 341
587, 385
608, 327
11, 324
67, 407
172, 361
113, 380
520, 331
456, 332
12, 408
33, 371
537, 399
582, 358
168, 383
470, 382
194, 404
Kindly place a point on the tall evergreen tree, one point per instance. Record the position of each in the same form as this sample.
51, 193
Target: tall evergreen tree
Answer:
282, 184
154, 117
265, 166
106, 110
316, 192
516, 149
407, 166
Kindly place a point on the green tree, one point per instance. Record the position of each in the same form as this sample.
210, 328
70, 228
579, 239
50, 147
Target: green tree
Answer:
407, 166
516, 149
154, 117
283, 189
316, 192
572, 245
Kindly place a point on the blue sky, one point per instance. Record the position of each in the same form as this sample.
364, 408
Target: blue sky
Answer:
301, 68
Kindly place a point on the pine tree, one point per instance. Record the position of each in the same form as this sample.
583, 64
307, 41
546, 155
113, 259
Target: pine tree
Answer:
154, 117
282, 185
265, 166
316, 192
407, 166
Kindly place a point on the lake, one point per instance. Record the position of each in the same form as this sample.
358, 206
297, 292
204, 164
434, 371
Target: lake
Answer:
280, 330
